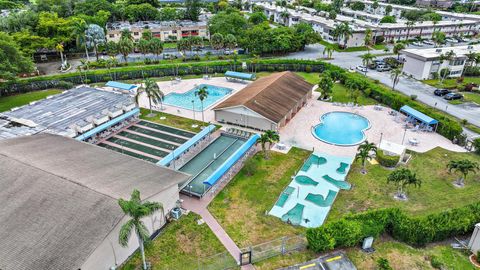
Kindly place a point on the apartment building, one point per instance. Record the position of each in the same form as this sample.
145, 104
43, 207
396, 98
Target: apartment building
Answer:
423, 64
166, 31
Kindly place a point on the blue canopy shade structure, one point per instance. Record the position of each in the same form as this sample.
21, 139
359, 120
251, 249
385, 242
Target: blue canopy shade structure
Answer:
122, 86
184, 147
418, 115
240, 75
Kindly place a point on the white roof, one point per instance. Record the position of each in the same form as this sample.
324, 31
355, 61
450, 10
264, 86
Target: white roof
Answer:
392, 147
432, 53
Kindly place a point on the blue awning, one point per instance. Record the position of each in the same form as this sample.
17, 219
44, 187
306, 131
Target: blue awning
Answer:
240, 75
106, 125
418, 115
184, 147
119, 85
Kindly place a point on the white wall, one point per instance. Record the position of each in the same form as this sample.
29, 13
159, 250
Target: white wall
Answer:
244, 117
109, 253
418, 69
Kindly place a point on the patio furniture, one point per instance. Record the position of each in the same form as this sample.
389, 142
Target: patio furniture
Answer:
342, 168
413, 142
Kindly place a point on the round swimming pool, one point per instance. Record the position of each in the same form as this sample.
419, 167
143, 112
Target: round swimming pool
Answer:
341, 128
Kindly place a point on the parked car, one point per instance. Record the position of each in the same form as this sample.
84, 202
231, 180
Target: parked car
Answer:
362, 68
428, 42
453, 96
381, 68
451, 40
441, 92
392, 61
417, 43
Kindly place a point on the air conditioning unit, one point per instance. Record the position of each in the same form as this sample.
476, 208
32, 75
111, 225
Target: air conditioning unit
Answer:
176, 213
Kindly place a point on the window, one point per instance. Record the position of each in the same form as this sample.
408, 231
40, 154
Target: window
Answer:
456, 72
457, 62
112, 35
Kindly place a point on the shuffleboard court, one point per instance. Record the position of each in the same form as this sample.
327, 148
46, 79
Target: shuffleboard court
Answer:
167, 129
126, 152
138, 147
147, 140
159, 135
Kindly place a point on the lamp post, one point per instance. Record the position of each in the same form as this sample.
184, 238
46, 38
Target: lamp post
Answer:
404, 133
193, 108
381, 136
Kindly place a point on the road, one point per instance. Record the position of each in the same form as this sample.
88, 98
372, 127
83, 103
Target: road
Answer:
408, 86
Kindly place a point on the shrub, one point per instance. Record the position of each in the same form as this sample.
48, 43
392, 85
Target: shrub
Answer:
476, 145
387, 160
478, 256
64, 85
320, 240
383, 264
413, 97
250, 167
436, 263
308, 69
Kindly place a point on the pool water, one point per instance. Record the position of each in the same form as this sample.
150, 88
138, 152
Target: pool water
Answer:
184, 100
341, 128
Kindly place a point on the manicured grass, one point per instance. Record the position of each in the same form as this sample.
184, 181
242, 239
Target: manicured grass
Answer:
169, 45
172, 120
180, 246
286, 260
402, 256
472, 97
344, 95
451, 83
242, 205
9, 102
436, 193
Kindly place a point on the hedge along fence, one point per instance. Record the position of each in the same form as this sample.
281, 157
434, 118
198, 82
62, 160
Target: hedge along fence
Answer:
140, 72
416, 231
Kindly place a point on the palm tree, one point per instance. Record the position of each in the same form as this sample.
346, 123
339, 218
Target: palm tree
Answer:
365, 152
136, 210
125, 47
217, 41
270, 137
395, 76
368, 38
126, 34
143, 46
343, 30
79, 28
463, 167
449, 56
325, 84
284, 15
153, 92
409, 25
366, 59
156, 46
397, 48
59, 48
202, 94
402, 178
328, 50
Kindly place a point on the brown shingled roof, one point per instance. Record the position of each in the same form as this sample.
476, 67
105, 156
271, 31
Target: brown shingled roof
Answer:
273, 96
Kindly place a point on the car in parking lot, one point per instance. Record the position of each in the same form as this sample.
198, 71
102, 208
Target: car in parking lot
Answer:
453, 96
441, 92
428, 42
382, 68
417, 43
451, 40
362, 68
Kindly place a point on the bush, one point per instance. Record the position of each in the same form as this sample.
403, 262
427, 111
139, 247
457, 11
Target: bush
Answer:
250, 167
437, 264
387, 160
416, 231
476, 145
383, 264
478, 256
413, 97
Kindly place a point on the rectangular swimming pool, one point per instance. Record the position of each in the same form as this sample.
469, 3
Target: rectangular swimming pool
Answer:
184, 100
207, 161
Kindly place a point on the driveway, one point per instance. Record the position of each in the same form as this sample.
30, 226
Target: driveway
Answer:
407, 86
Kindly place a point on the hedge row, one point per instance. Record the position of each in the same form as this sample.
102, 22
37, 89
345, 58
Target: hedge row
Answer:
137, 72
387, 160
416, 231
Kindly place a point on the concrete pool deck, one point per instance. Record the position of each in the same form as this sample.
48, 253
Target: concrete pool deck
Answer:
187, 85
298, 131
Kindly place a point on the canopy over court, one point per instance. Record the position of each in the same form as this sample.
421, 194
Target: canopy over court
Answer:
419, 116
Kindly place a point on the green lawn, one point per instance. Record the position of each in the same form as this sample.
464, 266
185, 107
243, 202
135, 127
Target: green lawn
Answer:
9, 102
451, 83
172, 120
337, 48
404, 257
180, 246
242, 205
170, 45
437, 193
472, 97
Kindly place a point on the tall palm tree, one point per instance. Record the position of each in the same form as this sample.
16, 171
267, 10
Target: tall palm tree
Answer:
368, 38
366, 60
125, 47
126, 34
395, 77
409, 25
79, 28
328, 50
365, 152
59, 48
136, 210
397, 48
217, 41
153, 92
344, 31
449, 56
202, 94
463, 167
270, 137
402, 178
156, 46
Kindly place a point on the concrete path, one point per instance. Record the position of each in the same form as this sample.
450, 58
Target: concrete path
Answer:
199, 206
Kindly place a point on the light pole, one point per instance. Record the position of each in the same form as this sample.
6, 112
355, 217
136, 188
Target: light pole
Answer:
381, 136
404, 133
193, 108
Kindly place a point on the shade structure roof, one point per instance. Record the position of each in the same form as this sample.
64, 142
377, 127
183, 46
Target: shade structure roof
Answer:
392, 147
273, 97
240, 75
418, 115
120, 85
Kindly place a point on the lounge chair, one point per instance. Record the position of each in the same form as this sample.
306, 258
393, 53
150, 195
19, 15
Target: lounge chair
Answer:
342, 168
338, 183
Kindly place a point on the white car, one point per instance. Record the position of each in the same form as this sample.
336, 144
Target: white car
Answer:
451, 40
417, 43
362, 68
428, 42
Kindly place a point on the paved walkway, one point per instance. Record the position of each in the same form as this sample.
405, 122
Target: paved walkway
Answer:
199, 206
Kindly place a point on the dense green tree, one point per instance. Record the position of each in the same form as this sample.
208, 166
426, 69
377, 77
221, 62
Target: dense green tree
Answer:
230, 42
357, 6
326, 84
257, 18
463, 168
154, 3
95, 37
403, 178
125, 47
18, 21
12, 60
306, 34
142, 12
388, 9
112, 48
388, 19
228, 23
217, 41
29, 43
192, 10
268, 137
64, 8
58, 29
91, 7
156, 46
170, 14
